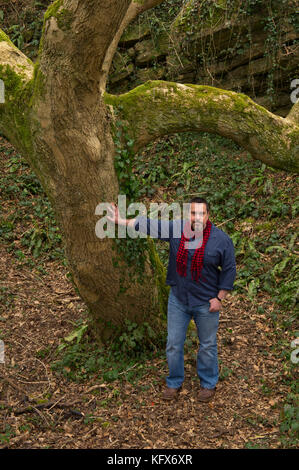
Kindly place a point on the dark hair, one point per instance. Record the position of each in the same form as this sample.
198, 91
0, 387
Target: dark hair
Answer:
200, 200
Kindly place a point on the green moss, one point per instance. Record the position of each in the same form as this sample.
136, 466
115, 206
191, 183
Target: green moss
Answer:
4, 37
52, 10
143, 97
268, 226
39, 81
64, 19
16, 108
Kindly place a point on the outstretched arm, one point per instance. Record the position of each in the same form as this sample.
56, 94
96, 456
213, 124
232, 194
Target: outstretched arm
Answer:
115, 217
161, 229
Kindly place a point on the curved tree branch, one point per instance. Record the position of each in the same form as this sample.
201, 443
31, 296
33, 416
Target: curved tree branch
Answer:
136, 8
158, 108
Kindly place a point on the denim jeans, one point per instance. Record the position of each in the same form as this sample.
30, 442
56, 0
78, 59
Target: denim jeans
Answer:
178, 319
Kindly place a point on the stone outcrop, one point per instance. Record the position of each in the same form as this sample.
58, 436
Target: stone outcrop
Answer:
256, 54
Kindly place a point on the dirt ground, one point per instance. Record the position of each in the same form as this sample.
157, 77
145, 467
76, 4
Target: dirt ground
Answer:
245, 411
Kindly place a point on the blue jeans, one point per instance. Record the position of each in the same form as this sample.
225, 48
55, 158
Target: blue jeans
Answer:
178, 319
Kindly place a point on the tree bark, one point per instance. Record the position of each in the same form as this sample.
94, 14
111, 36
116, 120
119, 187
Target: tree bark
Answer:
56, 114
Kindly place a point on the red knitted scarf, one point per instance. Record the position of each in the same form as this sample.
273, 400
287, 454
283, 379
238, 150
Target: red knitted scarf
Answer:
197, 258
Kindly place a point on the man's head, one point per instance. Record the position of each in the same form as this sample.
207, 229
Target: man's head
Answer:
200, 212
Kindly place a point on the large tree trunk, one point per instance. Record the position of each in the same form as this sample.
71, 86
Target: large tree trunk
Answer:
56, 114
70, 146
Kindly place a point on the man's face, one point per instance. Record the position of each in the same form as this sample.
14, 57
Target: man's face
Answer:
199, 216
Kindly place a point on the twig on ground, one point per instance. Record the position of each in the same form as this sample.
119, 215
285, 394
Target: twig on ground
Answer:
50, 405
13, 385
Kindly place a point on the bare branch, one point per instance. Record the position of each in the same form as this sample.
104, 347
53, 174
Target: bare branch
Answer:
159, 108
135, 9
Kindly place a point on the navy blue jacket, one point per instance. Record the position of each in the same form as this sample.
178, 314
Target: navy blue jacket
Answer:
219, 264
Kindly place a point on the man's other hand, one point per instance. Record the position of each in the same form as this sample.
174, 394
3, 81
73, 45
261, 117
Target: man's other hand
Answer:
215, 305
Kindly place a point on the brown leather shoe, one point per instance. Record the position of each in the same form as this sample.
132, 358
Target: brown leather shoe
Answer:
171, 393
206, 394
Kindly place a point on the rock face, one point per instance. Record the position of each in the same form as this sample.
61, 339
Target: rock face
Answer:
254, 50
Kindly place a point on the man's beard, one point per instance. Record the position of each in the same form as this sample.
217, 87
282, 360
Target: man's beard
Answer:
199, 226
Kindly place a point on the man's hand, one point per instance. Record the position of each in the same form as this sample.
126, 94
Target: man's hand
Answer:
114, 216
215, 305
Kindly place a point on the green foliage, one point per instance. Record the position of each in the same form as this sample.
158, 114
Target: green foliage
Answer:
7, 433
30, 228
24, 25
6, 299
76, 334
133, 339
133, 251
41, 238
289, 425
123, 359
123, 161
225, 372
162, 15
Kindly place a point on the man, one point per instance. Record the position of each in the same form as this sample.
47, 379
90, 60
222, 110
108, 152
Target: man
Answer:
201, 271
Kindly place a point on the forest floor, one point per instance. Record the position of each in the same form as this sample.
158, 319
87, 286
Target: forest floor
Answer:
41, 408
122, 415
